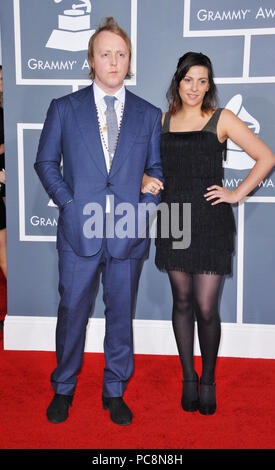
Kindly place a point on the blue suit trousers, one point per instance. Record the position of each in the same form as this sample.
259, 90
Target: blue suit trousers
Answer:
78, 284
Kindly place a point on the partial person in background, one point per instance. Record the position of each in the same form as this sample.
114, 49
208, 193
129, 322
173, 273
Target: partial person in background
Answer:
3, 250
193, 145
108, 138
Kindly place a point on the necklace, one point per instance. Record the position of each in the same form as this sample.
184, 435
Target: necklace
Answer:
105, 127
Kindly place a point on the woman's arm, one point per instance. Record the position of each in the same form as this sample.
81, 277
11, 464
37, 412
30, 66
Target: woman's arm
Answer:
151, 185
233, 128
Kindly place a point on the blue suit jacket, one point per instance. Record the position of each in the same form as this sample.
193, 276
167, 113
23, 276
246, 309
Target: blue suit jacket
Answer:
71, 133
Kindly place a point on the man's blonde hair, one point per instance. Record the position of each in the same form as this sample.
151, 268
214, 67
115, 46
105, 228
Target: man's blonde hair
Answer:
109, 24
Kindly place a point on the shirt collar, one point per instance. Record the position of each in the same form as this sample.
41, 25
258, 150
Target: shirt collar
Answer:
99, 94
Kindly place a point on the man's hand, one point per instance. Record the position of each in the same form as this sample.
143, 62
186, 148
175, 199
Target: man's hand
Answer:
2, 177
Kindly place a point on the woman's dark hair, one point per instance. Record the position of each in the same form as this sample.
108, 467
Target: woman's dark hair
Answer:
187, 61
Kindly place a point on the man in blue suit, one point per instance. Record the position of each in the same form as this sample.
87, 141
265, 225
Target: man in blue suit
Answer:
107, 138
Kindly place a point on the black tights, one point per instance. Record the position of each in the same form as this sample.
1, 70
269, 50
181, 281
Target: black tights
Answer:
197, 293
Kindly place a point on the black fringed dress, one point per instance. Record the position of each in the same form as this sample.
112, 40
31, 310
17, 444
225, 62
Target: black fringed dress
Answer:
193, 161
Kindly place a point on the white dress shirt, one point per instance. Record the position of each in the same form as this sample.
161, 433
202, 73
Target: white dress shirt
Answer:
101, 107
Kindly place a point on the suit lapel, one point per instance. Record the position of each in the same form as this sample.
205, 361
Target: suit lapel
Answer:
86, 117
130, 127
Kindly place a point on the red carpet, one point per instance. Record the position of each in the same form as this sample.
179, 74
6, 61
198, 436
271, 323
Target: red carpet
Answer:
245, 417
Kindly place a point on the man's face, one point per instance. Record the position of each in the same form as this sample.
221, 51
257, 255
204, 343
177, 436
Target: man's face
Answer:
110, 61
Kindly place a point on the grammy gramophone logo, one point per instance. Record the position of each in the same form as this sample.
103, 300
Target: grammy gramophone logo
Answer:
237, 159
74, 28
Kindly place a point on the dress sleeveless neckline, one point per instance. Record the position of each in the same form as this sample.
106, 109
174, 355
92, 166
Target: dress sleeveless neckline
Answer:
168, 117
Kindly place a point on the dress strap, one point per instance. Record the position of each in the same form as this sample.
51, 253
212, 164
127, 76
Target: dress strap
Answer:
211, 125
166, 123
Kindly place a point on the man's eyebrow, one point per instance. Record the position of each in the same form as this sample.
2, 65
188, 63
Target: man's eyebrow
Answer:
110, 50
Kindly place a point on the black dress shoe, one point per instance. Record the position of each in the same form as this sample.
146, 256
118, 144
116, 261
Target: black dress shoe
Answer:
207, 404
58, 409
119, 411
190, 394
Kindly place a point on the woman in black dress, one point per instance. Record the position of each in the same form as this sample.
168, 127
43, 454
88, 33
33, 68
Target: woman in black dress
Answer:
193, 145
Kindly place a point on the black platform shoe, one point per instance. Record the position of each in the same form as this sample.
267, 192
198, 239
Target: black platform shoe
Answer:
190, 394
207, 402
